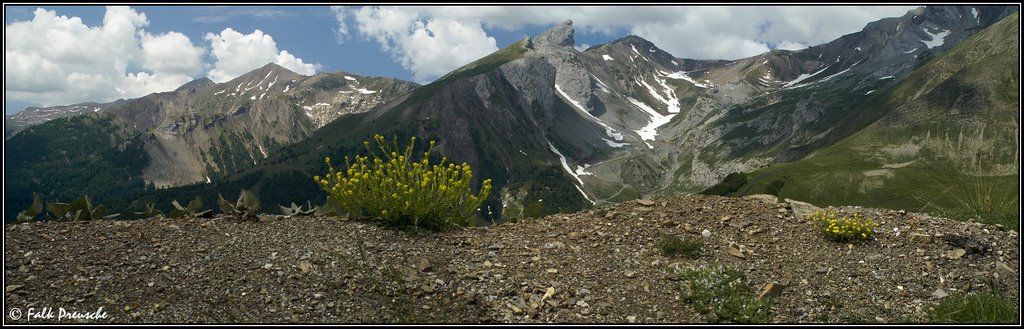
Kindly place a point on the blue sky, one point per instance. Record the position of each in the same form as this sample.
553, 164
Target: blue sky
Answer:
161, 47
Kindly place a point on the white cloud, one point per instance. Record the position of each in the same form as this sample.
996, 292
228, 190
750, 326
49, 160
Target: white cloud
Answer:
236, 54
790, 45
428, 47
582, 47
171, 52
53, 60
700, 32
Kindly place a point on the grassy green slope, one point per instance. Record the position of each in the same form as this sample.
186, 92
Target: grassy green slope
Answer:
947, 144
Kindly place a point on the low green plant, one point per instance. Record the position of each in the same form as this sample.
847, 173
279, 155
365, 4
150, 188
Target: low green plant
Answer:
245, 207
296, 210
396, 190
721, 294
329, 209
982, 307
193, 209
150, 212
729, 185
673, 246
852, 227
79, 209
775, 187
33, 211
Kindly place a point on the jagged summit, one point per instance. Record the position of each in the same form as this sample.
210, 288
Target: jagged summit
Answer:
561, 35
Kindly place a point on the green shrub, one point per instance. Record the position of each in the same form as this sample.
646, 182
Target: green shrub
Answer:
191, 211
848, 228
33, 211
245, 207
150, 212
729, 185
673, 246
774, 187
398, 191
79, 209
985, 307
296, 210
721, 294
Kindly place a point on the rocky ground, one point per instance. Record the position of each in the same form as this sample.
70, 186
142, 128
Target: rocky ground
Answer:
596, 266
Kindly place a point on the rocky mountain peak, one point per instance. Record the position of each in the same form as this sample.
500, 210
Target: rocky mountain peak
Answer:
196, 84
561, 35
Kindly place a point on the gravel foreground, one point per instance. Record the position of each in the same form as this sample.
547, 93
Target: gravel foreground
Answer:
596, 266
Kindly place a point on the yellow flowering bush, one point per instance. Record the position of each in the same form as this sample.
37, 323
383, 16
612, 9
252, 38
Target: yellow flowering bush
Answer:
396, 190
852, 227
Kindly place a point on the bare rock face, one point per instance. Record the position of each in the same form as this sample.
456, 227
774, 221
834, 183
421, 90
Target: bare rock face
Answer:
571, 77
561, 35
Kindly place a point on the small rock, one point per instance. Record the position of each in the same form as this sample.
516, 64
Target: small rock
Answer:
305, 266
705, 233
726, 218
13, 287
631, 319
802, 210
956, 253
268, 266
970, 244
547, 294
821, 270
551, 271
771, 290
939, 293
766, 198
582, 303
879, 319
735, 252
554, 245
921, 238
645, 203
423, 265
630, 274
488, 263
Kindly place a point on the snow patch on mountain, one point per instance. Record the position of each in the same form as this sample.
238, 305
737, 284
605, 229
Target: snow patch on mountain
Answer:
613, 143
803, 77
683, 76
937, 39
650, 132
607, 58
565, 165
582, 171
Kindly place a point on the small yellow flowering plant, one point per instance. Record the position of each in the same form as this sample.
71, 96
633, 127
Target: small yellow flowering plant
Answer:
396, 190
852, 227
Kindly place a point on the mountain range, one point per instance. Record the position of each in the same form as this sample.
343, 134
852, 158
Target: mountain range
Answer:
864, 119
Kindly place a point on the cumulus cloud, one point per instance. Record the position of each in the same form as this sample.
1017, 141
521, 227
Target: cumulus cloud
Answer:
236, 54
428, 47
700, 32
53, 60
790, 45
